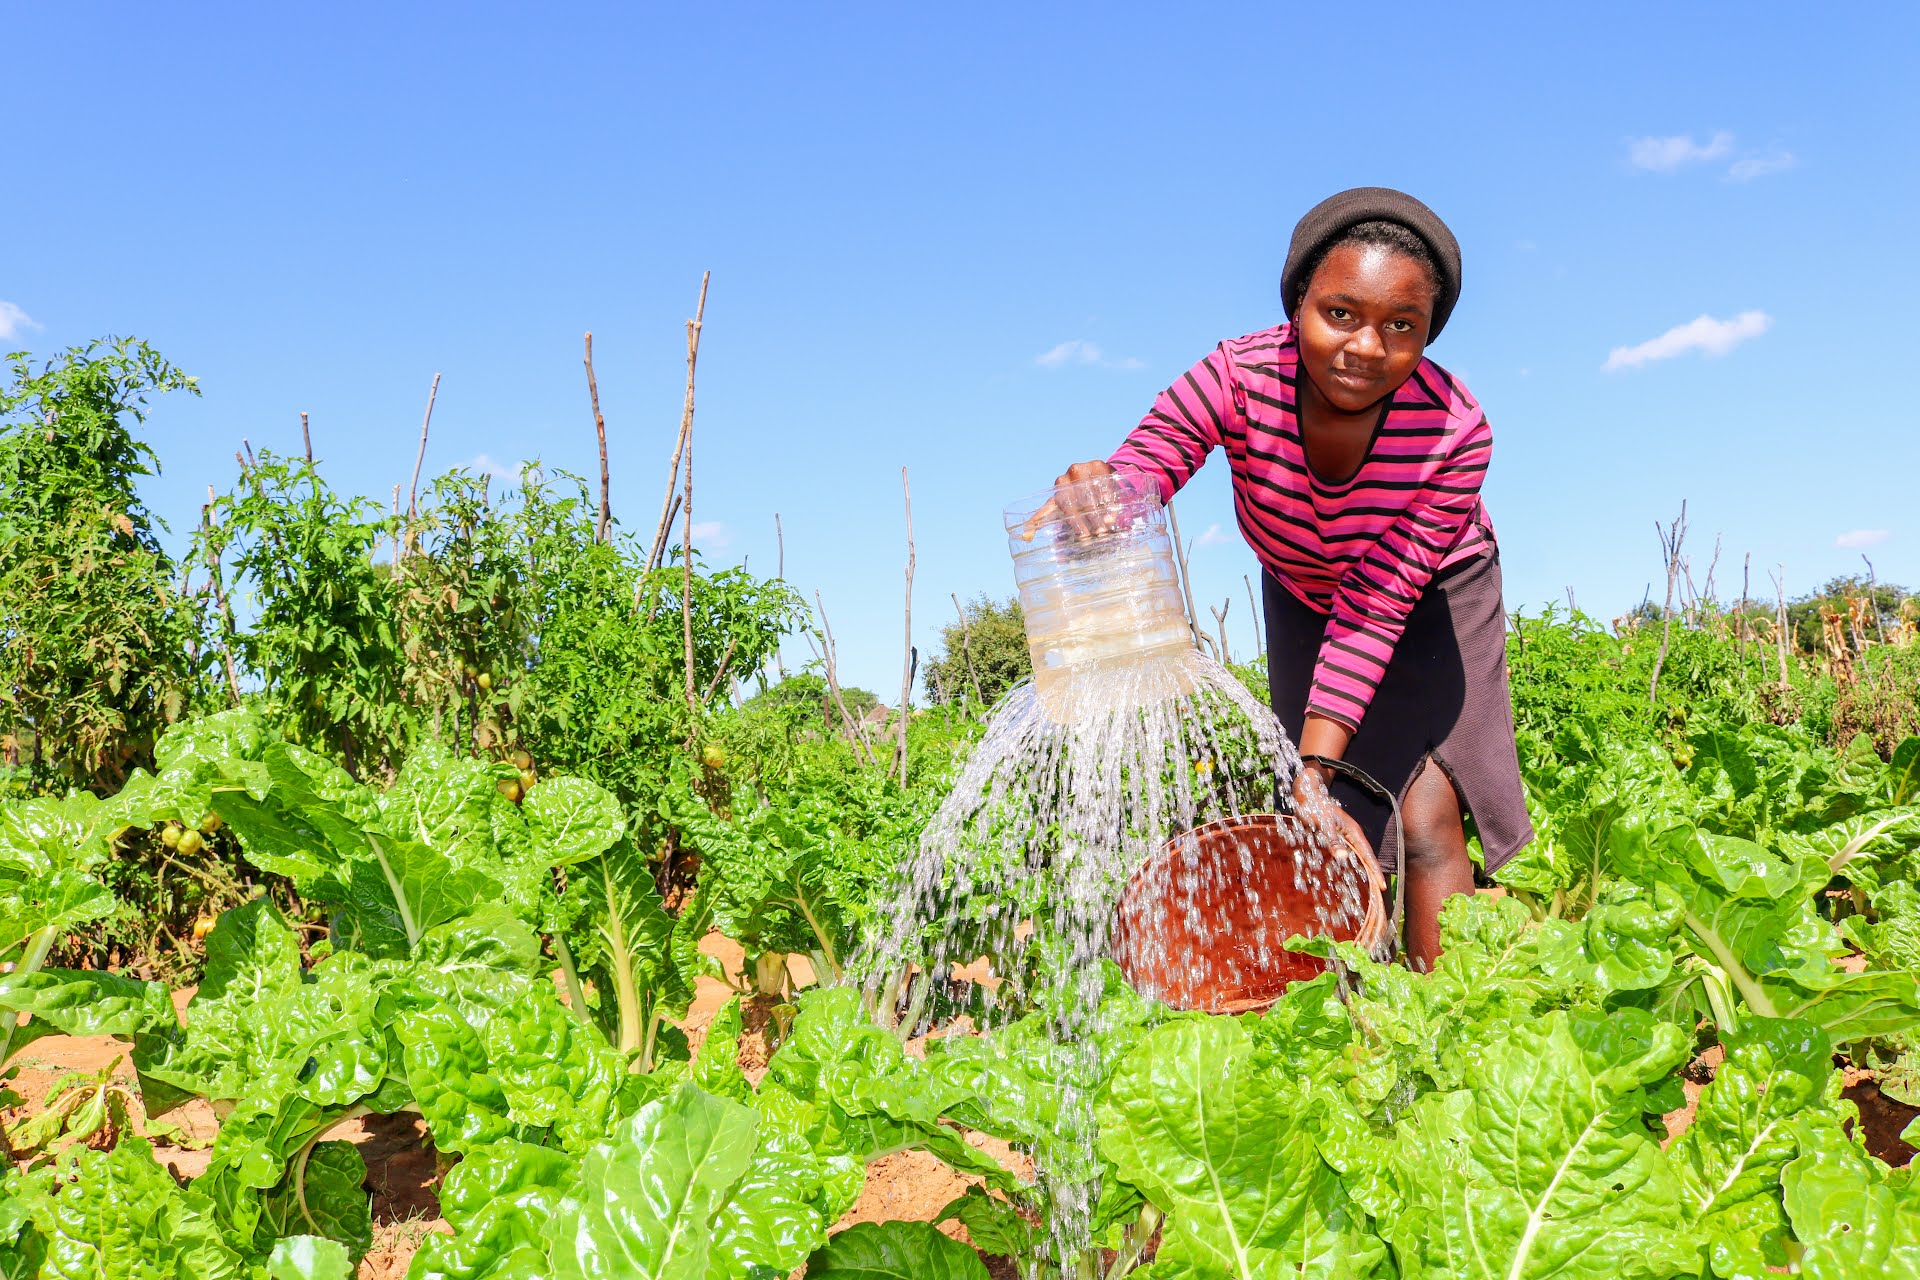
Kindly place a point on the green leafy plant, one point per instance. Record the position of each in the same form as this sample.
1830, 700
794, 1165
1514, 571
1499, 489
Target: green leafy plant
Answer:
100, 643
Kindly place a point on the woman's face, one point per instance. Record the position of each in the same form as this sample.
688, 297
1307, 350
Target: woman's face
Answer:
1362, 325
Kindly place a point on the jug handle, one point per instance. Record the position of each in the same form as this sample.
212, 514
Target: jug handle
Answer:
1396, 925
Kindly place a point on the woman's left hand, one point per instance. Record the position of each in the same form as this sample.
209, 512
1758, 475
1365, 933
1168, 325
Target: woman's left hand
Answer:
1315, 803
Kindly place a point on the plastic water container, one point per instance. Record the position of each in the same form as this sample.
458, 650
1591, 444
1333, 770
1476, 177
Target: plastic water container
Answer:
1097, 582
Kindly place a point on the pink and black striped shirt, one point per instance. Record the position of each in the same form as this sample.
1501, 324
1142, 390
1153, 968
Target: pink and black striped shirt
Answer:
1361, 551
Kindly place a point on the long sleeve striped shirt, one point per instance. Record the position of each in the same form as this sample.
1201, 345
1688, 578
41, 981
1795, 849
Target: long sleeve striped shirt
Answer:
1360, 551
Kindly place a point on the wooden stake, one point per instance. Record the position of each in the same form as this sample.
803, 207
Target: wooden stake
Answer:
833, 682
220, 595
1186, 587
1746, 588
686, 557
657, 555
1253, 605
600, 430
966, 647
1670, 540
1780, 637
306, 437
426, 421
1873, 600
1220, 622
908, 663
779, 573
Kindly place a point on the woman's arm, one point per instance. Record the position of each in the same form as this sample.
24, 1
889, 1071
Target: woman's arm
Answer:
1188, 421
1379, 590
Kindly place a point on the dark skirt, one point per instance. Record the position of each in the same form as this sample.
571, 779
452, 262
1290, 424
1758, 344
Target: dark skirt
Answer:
1444, 696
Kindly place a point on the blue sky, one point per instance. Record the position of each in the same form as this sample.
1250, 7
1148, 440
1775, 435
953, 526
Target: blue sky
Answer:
975, 242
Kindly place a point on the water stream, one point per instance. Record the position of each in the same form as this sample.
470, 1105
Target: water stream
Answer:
1127, 738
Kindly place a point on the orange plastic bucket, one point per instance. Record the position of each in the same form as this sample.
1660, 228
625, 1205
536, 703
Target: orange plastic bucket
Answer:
1203, 925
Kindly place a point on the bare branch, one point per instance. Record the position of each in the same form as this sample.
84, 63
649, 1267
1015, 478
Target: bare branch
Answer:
1186, 587
1220, 622
656, 556
1873, 599
966, 647
1253, 607
1780, 637
833, 681
220, 594
600, 430
725, 658
906, 677
1671, 539
413, 490
780, 572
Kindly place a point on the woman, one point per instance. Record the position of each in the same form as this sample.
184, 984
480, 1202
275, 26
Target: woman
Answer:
1357, 465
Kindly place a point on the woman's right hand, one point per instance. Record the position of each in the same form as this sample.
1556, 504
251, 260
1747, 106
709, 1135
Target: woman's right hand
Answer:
1079, 513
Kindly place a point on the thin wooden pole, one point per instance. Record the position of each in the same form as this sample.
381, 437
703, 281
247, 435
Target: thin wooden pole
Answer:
1186, 586
599, 429
426, 421
966, 647
779, 573
1670, 540
306, 437
1873, 600
907, 662
686, 561
1253, 604
220, 595
1780, 637
1220, 622
833, 682
658, 554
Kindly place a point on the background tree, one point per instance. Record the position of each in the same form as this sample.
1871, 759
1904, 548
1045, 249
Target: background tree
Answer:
1806, 614
100, 649
994, 637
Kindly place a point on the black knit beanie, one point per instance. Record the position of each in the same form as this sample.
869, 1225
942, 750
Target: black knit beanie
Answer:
1337, 214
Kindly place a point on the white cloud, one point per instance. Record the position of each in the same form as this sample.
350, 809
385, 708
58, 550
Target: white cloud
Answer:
1761, 163
1707, 335
1666, 155
1080, 351
15, 322
486, 465
1212, 537
1860, 539
711, 534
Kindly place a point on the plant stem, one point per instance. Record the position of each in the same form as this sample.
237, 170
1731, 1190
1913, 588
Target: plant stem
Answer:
826, 943
1750, 991
37, 947
399, 893
1135, 1242
576, 994
620, 963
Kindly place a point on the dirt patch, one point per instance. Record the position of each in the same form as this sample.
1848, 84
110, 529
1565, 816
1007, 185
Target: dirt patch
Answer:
1693, 1079
1881, 1118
